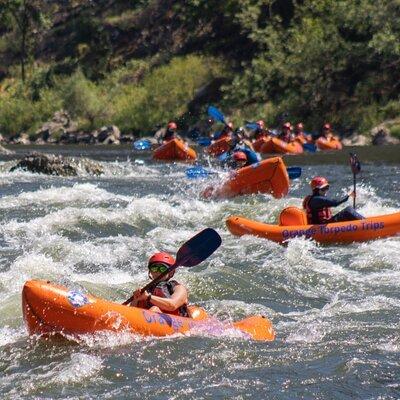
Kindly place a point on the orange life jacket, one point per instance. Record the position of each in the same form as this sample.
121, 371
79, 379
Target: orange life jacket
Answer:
324, 214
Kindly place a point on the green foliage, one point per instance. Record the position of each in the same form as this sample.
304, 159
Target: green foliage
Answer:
395, 131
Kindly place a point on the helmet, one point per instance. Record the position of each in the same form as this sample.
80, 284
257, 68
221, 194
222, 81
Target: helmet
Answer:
299, 127
240, 130
162, 258
261, 124
326, 127
239, 156
287, 125
172, 125
318, 182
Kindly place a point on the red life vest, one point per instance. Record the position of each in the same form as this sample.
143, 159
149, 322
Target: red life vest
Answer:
324, 214
165, 289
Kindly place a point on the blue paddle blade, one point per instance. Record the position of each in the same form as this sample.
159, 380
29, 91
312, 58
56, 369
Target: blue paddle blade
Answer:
293, 172
143, 144
204, 141
198, 248
355, 163
310, 147
252, 125
198, 172
214, 113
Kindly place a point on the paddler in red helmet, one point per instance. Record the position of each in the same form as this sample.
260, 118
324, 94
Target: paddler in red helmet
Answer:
318, 205
168, 296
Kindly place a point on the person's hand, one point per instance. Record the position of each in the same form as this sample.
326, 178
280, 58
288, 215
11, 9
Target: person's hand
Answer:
352, 194
139, 296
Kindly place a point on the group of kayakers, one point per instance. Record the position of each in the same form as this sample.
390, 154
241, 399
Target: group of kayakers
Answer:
170, 296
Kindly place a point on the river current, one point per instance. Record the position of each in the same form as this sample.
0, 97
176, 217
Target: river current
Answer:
335, 308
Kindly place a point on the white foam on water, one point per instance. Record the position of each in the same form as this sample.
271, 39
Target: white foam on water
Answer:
78, 194
10, 335
81, 367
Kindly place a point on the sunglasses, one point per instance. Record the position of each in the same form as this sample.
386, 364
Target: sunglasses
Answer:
325, 188
158, 268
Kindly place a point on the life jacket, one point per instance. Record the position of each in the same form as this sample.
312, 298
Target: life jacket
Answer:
169, 135
318, 216
165, 289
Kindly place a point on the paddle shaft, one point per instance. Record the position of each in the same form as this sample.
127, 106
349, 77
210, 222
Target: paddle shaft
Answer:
354, 190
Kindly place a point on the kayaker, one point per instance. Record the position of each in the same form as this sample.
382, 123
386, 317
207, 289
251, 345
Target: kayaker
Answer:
238, 160
286, 134
164, 135
327, 131
318, 206
226, 132
169, 296
300, 134
260, 131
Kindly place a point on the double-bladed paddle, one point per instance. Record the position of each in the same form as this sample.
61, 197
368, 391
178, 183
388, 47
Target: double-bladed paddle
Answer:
143, 144
355, 168
216, 114
191, 253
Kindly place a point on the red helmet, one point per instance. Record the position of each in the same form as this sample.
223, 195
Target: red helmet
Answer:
327, 127
319, 182
162, 258
261, 124
287, 125
172, 125
299, 127
239, 156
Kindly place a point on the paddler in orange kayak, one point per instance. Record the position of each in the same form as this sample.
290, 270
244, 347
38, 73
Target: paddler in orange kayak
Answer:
168, 296
164, 135
318, 206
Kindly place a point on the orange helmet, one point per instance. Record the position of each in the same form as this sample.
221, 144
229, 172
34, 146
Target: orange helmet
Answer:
261, 124
318, 182
299, 126
326, 127
287, 125
239, 156
172, 125
162, 258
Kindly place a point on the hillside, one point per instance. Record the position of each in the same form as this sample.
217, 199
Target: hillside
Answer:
140, 63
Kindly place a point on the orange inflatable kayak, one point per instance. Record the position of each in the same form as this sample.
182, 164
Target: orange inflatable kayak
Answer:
175, 150
219, 146
276, 145
257, 144
332, 143
49, 308
268, 176
339, 232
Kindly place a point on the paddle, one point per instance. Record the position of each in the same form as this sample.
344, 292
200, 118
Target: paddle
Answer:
143, 144
355, 168
203, 141
310, 147
191, 253
201, 172
252, 125
214, 113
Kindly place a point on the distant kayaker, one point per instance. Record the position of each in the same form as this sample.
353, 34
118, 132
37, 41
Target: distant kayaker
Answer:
318, 206
327, 131
168, 295
226, 132
300, 134
286, 134
164, 135
261, 130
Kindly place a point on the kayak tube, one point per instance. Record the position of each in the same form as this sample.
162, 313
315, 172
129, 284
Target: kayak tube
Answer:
53, 309
275, 145
268, 176
339, 232
219, 147
174, 150
332, 143
257, 144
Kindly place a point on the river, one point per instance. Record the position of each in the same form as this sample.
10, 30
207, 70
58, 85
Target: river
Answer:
335, 308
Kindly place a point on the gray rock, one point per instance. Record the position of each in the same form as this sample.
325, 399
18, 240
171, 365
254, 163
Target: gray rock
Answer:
356, 140
381, 136
59, 125
51, 164
108, 135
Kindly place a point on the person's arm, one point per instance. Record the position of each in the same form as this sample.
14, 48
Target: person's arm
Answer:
178, 299
322, 201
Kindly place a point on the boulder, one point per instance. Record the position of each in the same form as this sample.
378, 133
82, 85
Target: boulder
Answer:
108, 135
51, 164
356, 140
59, 125
22, 138
381, 136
